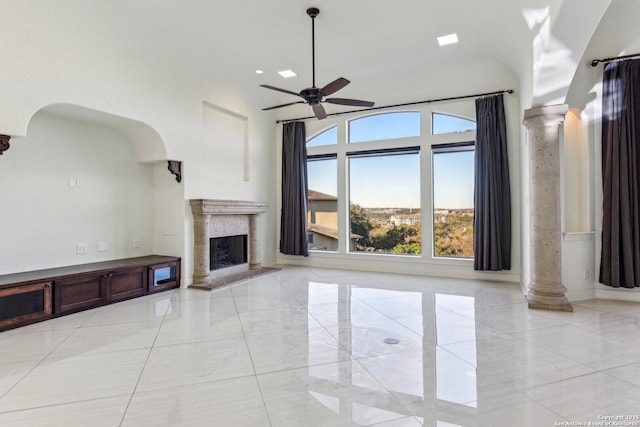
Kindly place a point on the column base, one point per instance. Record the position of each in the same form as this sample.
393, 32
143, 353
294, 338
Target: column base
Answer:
555, 307
546, 301
200, 279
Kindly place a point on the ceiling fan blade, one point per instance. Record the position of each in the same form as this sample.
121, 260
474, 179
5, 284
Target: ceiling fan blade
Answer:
280, 90
347, 101
334, 86
319, 111
282, 105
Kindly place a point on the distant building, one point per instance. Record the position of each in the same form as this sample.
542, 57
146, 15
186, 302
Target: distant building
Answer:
325, 238
405, 219
323, 209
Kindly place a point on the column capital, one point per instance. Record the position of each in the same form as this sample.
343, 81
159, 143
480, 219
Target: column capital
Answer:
550, 115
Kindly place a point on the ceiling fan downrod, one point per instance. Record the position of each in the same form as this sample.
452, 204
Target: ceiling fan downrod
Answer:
313, 12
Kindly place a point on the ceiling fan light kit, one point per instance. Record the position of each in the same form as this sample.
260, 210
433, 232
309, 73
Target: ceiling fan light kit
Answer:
315, 96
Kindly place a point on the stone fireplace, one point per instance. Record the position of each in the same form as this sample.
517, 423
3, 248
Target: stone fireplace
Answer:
226, 241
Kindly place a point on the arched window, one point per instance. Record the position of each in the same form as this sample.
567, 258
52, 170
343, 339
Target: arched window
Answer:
326, 137
446, 123
378, 127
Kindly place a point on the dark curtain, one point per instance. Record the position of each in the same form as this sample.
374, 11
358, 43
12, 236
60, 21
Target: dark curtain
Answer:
293, 218
620, 262
492, 194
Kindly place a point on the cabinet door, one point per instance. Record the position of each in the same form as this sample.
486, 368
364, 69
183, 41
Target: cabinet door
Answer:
79, 293
164, 276
127, 283
24, 304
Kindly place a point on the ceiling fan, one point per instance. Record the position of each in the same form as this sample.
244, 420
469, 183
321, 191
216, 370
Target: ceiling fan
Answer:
315, 96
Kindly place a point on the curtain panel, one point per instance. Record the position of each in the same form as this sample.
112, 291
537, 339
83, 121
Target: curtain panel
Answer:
492, 193
620, 260
293, 217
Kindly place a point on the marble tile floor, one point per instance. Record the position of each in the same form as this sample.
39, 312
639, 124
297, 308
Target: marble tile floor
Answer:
306, 347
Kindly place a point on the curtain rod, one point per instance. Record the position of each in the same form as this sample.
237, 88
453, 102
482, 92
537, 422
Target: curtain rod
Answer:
617, 58
429, 101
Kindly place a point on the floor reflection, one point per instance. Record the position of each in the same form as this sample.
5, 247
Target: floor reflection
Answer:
417, 369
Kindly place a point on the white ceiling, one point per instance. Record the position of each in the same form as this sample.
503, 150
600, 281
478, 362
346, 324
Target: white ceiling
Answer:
387, 49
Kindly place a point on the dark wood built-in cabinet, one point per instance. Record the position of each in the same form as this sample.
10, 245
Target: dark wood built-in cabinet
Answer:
39, 295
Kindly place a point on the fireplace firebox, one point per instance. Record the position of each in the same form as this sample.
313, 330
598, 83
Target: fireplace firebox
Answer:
227, 251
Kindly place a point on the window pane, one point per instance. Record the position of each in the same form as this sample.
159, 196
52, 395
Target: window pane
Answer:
444, 123
453, 203
385, 126
385, 204
323, 205
328, 137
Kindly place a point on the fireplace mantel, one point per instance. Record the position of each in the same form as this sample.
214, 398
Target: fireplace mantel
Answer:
220, 218
227, 207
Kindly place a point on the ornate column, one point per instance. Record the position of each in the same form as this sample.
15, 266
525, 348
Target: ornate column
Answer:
255, 252
546, 290
201, 254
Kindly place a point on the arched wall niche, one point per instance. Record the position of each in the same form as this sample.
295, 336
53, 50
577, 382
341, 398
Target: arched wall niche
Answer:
147, 143
85, 186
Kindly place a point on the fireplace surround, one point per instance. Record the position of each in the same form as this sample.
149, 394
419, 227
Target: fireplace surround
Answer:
214, 219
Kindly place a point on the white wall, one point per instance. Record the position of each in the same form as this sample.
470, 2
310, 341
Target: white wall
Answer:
43, 218
578, 237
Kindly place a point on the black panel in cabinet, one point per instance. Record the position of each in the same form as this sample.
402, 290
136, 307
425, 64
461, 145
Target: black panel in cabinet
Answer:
24, 304
164, 276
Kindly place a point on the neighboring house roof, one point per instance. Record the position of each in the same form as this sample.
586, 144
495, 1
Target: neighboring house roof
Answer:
316, 195
329, 232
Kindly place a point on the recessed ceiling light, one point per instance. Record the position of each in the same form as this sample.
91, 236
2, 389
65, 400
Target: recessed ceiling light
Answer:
448, 39
259, 72
287, 73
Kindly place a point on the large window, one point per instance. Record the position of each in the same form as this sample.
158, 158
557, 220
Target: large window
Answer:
453, 200
380, 173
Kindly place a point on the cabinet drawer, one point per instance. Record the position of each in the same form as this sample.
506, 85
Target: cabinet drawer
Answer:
78, 293
125, 284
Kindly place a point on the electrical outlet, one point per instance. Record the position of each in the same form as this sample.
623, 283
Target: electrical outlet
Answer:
136, 243
79, 182
102, 246
82, 248
73, 182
